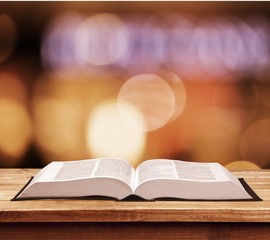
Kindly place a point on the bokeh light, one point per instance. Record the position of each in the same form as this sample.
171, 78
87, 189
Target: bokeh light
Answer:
214, 35
146, 44
255, 142
210, 141
182, 55
102, 39
58, 115
15, 121
179, 90
57, 126
213, 44
235, 101
152, 96
15, 129
172, 80
259, 40
8, 34
109, 135
12, 86
59, 47
240, 165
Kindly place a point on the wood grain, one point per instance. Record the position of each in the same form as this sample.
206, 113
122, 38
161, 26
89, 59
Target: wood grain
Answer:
89, 219
135, 231
12, 180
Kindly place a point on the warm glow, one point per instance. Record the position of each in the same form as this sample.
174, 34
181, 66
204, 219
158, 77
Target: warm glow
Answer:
210, 141
12, 86
178, 89
255, 143
109, 135
264, 90
57, 126
131, 115
230, 118
8, 34
152, 96
15, 129
136, 81
235, 103
238, 165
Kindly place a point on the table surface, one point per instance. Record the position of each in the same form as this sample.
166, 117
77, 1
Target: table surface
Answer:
12, 180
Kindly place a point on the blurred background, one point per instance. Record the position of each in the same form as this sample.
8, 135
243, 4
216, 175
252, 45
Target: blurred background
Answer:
136, 80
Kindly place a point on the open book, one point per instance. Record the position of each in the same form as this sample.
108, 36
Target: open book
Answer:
153, 179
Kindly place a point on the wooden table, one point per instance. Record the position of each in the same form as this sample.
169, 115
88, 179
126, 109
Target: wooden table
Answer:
91, 219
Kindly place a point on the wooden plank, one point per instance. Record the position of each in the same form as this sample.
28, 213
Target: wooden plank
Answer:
262, 173
134, 231
264, 194
111, 211
79, 210
259, 186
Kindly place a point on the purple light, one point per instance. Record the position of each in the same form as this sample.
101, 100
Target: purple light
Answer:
59, 45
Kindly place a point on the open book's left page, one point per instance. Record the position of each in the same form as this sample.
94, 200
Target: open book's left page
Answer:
103, 176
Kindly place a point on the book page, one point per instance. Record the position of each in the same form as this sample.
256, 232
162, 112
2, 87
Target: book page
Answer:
48, 173
176, 169
187, 180
76, 170
116, 168
194, 171
60, 171
155, 169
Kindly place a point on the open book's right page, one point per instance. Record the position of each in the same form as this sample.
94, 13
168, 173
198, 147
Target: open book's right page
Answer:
179, 179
